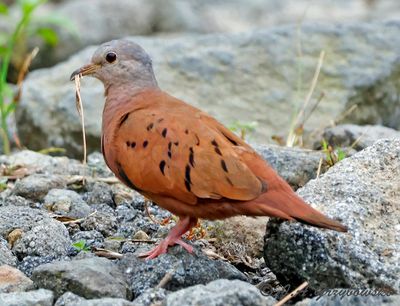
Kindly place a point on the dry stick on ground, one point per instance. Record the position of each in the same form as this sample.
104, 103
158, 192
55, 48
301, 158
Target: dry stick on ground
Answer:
292, 294
292, 135
79, 108
319, 167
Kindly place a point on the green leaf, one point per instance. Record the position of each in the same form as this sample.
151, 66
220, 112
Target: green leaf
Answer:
341, 154
48, 35
81, 246
3, 50
28, 6
3, 9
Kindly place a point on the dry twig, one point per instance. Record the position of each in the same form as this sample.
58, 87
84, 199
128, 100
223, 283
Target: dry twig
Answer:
292, 294
79, 108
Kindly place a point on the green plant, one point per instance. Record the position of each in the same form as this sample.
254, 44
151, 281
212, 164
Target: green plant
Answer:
332, 156
243, 128
10, 46
81, 246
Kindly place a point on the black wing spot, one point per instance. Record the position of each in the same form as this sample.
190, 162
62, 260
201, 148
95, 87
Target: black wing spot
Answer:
145, 143
128, 143
123, 119
218, 151
191, 157
150, 126
176, 143
133, 144
164, 132
160, 120
223, 165
169, 149
162, 166
216, 147
197, 140
125, 179
188, 181
229, 181
230, 140
186, 131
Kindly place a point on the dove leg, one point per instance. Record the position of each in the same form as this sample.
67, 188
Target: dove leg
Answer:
174, 237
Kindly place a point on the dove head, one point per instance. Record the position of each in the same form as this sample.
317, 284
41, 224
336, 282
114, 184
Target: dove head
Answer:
120, 63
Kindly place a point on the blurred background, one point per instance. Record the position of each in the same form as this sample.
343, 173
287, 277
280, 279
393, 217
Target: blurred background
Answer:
274, 71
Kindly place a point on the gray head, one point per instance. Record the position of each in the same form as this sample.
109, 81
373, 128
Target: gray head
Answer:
120, 62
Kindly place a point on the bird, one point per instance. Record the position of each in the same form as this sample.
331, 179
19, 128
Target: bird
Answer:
180, 157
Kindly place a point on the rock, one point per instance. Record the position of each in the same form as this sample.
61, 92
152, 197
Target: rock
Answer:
297, 166
70, 299
141, 236
90, 278
44, 164
362, 192
39, 297
29, 263
239, 237
220, 292
102, 222
36, 186
359, 137
6, 256
186, 269
47, 238
16, 217
143, 17
13, 280
151, 296
393, 300
99, 192
66, 203
235, 76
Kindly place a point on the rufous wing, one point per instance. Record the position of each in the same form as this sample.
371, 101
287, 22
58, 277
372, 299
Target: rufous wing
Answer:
182, 154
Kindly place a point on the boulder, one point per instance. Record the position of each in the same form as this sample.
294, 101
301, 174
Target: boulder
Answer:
89, 277
362, 192
251, 76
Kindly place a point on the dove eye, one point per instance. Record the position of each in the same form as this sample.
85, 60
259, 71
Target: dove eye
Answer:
111, 57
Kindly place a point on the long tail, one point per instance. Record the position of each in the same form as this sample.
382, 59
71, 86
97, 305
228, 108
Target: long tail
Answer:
289, 206
279, 200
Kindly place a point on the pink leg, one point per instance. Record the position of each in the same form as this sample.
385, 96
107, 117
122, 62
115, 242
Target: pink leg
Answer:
174, 237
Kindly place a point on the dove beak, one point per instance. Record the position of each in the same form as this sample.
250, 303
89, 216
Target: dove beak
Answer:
85, 70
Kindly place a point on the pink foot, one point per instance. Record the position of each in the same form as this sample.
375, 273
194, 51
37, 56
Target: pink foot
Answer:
163, 246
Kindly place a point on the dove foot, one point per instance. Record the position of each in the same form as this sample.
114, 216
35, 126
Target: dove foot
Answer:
174, 237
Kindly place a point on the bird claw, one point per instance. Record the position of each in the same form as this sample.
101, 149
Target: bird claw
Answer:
163, 246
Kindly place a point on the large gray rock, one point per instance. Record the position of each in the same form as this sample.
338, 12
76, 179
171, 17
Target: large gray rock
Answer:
39, 297
89, 277
362, 192
250, 75
143, 17
186, 269
220, 292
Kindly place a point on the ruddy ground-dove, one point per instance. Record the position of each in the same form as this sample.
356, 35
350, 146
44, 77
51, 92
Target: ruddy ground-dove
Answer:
180, 157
